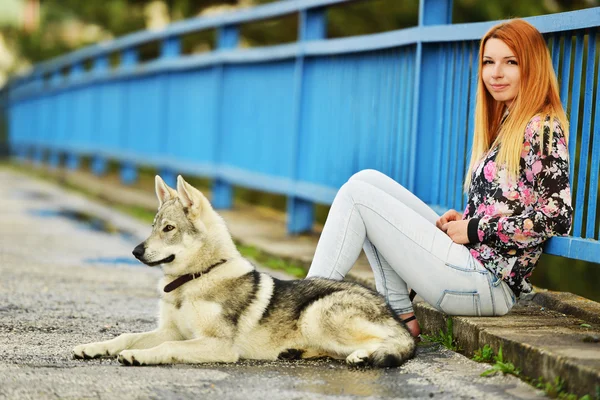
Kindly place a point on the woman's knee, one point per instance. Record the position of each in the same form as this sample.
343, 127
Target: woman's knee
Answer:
366, 175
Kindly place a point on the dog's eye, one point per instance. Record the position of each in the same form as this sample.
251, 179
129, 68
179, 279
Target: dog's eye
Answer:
168, 228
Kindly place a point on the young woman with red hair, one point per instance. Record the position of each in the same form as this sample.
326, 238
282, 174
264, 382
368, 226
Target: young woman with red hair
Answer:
477, 262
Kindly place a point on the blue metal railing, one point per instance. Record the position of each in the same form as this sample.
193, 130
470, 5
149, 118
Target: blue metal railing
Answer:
300, 118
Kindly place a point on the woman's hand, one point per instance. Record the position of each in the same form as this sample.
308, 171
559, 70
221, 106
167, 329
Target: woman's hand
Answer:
457, 230
454, 226
450, 215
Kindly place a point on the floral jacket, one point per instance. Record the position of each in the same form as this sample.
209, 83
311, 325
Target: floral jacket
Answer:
509, 221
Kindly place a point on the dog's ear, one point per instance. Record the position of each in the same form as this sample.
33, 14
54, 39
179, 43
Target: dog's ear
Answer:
163, 191
190, 197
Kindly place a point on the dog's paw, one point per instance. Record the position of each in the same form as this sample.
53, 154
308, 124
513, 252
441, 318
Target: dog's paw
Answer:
291, 354
129, 358
90, 351
359, 358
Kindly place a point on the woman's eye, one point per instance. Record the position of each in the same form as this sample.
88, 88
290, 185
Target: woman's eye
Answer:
168, 228
513, 62
487, 62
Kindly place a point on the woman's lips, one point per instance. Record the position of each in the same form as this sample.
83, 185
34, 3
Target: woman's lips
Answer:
498, 88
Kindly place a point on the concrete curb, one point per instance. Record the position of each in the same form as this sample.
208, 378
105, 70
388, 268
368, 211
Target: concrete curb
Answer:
542, 335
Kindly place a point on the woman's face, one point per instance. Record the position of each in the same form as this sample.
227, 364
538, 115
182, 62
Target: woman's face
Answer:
501, 72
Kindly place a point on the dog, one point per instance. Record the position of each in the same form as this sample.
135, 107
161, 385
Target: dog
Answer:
216, 307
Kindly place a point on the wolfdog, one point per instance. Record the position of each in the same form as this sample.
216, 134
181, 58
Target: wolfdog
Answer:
215, 306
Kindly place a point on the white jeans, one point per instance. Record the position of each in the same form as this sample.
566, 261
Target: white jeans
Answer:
405, 249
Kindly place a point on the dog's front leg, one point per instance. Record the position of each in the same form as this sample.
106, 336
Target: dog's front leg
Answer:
193, 351
110, 348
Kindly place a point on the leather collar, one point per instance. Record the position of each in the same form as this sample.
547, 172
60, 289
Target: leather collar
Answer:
188, 277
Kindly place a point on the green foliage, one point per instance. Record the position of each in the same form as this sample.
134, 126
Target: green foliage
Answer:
557, 389
446, 339
272, 262
119, 17
501, 366
484, 355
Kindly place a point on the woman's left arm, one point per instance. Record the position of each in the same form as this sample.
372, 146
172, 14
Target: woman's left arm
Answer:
549, 208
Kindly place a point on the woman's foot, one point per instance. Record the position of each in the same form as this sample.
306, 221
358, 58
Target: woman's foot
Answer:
412, 325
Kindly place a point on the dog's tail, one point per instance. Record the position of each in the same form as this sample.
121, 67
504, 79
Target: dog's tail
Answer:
394, 351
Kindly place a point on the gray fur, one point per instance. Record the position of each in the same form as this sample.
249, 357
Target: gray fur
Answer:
231, 311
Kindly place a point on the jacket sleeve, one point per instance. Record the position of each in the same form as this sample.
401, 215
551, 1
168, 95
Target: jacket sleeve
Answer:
548, 209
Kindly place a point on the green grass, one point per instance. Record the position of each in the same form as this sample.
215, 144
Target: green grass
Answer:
272, 262
501, 366
484, 355
446, 339
555, 389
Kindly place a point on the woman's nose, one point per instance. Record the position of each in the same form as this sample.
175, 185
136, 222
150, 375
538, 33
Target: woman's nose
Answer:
497, 71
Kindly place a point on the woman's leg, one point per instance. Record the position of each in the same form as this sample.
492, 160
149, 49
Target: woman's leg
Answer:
390, 285
386, 279
393, 188
441, 271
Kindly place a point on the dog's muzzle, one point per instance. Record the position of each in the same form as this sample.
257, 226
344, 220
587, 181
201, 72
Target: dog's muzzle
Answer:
139, 251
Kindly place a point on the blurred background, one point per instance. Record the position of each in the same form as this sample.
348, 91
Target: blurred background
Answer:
36, 30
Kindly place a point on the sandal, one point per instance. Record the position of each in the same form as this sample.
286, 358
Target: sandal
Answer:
411, 296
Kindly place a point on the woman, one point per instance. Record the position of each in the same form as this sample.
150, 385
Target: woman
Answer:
477, 262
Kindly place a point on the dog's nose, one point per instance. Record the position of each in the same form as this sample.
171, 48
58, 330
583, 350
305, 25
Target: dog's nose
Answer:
139, 250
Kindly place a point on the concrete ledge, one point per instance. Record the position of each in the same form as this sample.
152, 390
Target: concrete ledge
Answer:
570, 303
545, 344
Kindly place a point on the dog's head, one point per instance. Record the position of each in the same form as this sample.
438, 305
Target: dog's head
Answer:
186, 231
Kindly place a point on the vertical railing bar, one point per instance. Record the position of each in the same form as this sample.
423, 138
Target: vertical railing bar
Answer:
99, 163
129, 59
564, 90
555, 51
395, 96
73, 158
585, 133
456, 122
455, 118
446, 133
408, 112
222, 191
472, 100
402, 94
574, 126
462, 128
595, 162
438, 149
170, 48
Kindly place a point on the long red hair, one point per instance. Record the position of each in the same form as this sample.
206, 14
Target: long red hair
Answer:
538, 95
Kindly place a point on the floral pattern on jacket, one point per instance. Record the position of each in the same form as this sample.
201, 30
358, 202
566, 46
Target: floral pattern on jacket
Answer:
516, 218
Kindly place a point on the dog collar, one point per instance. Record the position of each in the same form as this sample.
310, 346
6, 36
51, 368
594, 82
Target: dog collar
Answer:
186, 278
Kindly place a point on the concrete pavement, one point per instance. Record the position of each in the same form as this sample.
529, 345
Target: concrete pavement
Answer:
83, 286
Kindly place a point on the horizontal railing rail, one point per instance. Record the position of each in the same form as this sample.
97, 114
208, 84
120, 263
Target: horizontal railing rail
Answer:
300, 118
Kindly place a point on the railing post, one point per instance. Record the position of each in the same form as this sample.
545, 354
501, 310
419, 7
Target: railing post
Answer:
99, 163
73, 159
54, 160
37, 83
170, 48
129, 59
222, 191
428, 73
300, 212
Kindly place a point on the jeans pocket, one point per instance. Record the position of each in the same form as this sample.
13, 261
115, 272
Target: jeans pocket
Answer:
460, 303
